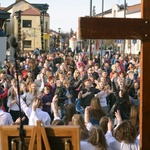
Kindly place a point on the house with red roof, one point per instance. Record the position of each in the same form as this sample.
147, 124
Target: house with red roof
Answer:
30, 24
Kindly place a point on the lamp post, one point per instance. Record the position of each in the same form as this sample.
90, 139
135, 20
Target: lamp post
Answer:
124, 45
90, 51
102, 39
42, 27
42, 15
54, 37
59, 37
102, 8
19, 27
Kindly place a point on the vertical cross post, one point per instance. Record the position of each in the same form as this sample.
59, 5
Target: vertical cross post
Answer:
145, 82
125, 28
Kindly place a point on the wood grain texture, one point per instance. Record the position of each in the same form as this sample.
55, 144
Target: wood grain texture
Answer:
113, 28
145, 84
35, 134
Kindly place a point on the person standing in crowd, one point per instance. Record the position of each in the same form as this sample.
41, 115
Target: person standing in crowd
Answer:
126, 135
88, 93
34, 91
134, 90
3, 95
102, 96
13, 105
46, 101
76, 83
96, 113
62, 98
5, 117
62, 78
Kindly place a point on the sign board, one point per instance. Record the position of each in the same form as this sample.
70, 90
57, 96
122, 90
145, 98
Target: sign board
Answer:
46, 36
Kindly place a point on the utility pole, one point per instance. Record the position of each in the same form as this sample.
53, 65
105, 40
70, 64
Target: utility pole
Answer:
124, 43
90, 51
59, 45
102, 39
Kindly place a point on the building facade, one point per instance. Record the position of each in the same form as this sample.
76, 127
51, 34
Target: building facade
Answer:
30, 24
118, 11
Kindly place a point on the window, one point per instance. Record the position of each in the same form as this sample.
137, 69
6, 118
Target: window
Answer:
46, 25
27, 23
27, 44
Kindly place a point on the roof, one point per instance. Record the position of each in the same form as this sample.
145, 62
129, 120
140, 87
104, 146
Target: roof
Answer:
31, 11
130, 9
2, 8
41, 6
134, 8
105, 12
10, 6
38, 6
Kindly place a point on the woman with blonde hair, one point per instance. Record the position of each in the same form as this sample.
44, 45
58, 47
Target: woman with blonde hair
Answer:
13, 104
76, 83
34, 91
13, 83
23, 90
78, 120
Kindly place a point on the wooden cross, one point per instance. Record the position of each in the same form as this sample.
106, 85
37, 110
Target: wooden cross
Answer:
117, 28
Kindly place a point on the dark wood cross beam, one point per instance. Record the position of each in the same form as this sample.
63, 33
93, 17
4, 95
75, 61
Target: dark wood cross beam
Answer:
117, 28
114, 28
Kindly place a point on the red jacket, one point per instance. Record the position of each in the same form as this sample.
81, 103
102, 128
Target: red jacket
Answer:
4, 95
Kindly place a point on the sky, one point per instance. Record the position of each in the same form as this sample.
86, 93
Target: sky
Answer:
64, 14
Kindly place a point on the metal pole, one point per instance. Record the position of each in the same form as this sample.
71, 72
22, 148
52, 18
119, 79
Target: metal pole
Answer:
124, 46
102, 39
90, 8
43, 32
102, 8
124, 8
41, 22
90, 56
59, 38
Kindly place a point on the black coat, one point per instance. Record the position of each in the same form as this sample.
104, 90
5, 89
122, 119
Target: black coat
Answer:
87, 100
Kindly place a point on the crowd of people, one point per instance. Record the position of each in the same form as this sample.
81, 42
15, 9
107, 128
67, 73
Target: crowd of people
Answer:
62, 88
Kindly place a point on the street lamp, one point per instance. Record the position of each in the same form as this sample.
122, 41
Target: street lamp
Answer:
90, 56
42, 15
19, 26
124, 46
124, 8
102, 39
42, 27
59, 37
